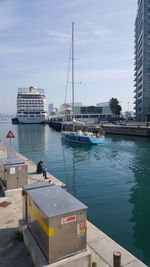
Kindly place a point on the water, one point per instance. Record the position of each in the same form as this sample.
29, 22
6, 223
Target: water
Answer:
112, 179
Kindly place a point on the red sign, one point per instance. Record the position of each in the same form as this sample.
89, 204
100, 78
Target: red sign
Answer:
22, 168
68, 219
10, 135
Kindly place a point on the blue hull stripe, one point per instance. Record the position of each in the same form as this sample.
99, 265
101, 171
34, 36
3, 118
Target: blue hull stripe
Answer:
82, 139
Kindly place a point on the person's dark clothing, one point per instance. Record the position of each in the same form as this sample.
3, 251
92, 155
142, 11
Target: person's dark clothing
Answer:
40, 169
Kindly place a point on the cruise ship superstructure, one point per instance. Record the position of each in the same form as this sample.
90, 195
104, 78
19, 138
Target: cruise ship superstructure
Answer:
31, 105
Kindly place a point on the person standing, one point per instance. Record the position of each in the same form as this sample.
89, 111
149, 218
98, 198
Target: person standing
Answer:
41, 169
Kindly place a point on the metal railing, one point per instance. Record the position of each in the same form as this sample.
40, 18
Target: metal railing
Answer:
27, 91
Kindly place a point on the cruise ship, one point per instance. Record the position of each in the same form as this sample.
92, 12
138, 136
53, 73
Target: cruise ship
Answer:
31, 105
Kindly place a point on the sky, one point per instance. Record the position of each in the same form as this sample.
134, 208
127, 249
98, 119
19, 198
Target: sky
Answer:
35, 41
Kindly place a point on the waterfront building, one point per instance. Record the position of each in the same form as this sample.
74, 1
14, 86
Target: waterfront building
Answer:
142, 61
105, 108
88, 114
31, 105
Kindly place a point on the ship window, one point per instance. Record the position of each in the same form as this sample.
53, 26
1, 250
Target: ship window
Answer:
85, 116
93, 116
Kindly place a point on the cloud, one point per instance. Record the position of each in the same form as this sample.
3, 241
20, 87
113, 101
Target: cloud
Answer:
7, 16
108, 60
80, 37
104, 74
17, 50
94, 35
62, 37
97, 75
102, 33
71, 4
58, 36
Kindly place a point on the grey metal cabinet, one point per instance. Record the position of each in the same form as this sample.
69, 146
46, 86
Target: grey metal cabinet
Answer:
27, 187
58, 222
13, 173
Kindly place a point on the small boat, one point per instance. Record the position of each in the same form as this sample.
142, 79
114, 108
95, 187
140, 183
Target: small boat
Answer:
83, 137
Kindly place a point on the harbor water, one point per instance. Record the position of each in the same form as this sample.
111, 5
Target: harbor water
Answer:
112, 179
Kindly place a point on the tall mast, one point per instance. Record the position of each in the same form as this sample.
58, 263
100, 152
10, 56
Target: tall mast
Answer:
73, 70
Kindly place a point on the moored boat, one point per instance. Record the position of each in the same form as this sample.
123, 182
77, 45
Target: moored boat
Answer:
83, 137
79, 136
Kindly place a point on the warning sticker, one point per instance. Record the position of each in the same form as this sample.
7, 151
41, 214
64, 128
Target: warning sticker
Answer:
68, 219
22, 168
12, 170
81, 229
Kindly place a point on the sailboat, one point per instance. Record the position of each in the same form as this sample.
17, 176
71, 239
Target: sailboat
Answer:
85, 137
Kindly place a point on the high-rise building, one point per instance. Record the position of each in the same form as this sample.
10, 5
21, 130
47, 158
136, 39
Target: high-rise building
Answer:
142, 61
51, 108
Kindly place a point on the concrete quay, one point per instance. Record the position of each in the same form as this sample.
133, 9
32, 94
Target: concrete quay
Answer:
135, 129
12, 249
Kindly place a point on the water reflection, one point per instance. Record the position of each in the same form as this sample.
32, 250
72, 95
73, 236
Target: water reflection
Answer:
140, 199
32, 140
124, 164
75, 166
138, 162
82, 152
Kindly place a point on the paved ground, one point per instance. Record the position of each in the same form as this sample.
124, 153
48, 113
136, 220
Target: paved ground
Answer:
12, 250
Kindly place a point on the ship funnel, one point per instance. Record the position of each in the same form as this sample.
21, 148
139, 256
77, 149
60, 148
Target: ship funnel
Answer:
32, 89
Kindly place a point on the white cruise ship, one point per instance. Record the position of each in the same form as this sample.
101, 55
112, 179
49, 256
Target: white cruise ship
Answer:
31, 105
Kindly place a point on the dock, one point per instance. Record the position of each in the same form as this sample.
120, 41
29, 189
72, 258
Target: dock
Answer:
132, 130
14, 253
136, 129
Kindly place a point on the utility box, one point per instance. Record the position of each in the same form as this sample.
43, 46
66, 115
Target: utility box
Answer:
13, 173
27, 187
57, 221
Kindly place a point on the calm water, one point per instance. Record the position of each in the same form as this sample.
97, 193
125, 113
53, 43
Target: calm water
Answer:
112, 179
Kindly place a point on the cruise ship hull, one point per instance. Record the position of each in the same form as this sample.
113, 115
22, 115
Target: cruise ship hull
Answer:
31, 120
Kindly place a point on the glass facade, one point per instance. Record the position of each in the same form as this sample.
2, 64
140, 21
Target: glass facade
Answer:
91, 110
142, 61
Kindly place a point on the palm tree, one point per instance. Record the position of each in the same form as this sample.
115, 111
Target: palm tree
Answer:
115, 107
118, 111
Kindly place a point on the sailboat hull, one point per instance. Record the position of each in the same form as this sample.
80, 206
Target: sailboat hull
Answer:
71, 137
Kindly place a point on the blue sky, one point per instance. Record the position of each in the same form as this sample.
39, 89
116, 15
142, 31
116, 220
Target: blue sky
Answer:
35, 39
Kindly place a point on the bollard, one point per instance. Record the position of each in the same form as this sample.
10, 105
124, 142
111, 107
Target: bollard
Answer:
116, 259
